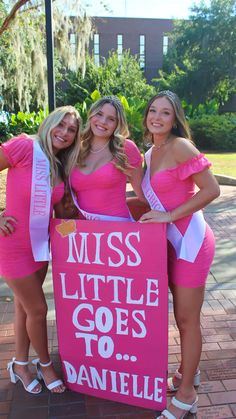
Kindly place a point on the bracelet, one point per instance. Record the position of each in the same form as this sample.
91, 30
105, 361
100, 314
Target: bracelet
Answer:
170, 218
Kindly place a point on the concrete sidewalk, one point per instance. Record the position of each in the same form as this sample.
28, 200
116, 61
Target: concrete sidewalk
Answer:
217, 392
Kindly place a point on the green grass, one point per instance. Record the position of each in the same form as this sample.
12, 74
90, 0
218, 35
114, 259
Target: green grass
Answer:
223, 163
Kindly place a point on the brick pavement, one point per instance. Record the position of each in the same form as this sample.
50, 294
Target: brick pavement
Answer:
217, 392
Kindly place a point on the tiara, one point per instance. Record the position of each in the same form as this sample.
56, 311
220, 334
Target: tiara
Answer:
167, 93
113, 99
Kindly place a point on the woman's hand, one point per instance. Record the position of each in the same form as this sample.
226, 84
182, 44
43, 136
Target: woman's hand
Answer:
155, 217
7, 225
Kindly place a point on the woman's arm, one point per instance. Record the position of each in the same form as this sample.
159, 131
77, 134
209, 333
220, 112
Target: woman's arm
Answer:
4, 164
66, 211
135, 177
182, 151
6, 222
208, 191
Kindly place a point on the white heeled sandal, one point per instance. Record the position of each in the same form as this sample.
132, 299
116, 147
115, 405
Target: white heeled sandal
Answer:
54, 384
15, 377
192, 408
177, 374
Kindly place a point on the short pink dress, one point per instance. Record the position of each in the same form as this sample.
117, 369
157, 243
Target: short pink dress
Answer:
104, 190
16, 258
174, 186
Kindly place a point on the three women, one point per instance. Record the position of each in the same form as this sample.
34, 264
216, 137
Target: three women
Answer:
174, 166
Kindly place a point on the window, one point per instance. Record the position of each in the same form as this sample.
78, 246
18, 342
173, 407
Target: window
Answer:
142, 51
165, 44
96, 42
119, 45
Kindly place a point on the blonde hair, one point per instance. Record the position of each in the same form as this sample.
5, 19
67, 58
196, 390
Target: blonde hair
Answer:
62, 163
116, 142
181, 127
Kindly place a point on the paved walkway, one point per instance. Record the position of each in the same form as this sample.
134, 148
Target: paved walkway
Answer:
217, 392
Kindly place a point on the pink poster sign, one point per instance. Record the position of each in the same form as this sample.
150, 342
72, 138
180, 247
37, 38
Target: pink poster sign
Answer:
111, 296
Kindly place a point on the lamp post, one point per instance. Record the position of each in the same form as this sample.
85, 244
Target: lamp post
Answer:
50, 64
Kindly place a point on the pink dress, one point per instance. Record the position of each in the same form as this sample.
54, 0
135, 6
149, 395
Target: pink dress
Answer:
16, 258
104, 190
174, 186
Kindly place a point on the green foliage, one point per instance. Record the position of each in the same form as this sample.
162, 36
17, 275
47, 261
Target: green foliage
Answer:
115, 76
210, 107
134, 110
21, 122
120, 76
23, 62
201, 61
23, 70
214, 132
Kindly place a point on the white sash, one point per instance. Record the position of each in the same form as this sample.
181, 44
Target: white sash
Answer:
188, 245
100, 217
40, 203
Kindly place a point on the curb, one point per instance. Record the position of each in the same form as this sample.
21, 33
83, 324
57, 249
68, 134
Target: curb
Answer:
225, 180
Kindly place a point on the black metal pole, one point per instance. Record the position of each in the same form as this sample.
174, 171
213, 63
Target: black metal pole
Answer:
50, 64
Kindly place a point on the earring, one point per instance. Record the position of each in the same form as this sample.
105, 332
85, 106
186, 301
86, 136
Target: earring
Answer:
174, 126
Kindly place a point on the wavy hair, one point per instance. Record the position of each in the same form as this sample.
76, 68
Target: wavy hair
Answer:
181, 127
63, 162
116, 142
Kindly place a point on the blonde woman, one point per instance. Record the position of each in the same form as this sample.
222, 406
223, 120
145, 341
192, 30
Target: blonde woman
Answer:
106, 160
174, 168
38, 168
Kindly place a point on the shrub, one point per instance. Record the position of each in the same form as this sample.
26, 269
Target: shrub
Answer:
26, 122
114, 76
215, 132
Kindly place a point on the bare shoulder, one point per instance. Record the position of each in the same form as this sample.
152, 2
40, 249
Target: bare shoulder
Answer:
183, 149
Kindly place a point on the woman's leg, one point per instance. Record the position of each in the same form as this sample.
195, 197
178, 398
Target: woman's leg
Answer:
22, 346
187, 308
31, 301
22, 338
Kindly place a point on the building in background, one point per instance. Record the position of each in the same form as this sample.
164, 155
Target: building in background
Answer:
145, 38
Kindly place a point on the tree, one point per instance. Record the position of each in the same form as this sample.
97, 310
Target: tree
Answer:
116, 75
9, 18
201, 61
23, 82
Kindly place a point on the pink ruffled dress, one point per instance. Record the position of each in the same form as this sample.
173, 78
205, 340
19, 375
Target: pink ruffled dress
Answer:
104, 190
16, 258
174, 186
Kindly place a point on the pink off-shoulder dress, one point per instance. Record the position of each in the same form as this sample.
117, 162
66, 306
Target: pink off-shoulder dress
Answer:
174, 186
104, 190
16, 258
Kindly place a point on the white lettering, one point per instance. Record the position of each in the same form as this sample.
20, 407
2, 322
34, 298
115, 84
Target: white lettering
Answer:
145, 387
133, 250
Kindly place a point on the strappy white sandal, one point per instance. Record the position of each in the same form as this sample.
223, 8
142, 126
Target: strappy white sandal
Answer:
192, 408
15, 377
40, 375
177, 374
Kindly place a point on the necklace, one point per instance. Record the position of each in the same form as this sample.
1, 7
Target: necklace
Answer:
100, 149
161, 145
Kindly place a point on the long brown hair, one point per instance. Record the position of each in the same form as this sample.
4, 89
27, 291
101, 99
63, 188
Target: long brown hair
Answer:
181, 127
116, 142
